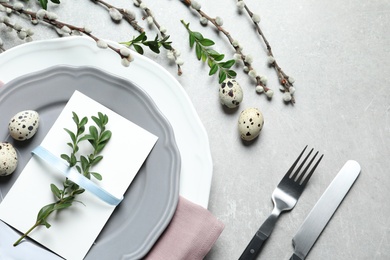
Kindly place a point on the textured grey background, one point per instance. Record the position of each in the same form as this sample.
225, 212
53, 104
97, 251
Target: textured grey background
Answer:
338, 52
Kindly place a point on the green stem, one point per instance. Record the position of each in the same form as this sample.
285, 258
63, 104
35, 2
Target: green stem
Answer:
26, 234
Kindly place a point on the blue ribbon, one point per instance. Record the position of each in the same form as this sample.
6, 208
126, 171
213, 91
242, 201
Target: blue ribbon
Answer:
75, 176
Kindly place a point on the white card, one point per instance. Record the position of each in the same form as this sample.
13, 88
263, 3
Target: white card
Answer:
75, 229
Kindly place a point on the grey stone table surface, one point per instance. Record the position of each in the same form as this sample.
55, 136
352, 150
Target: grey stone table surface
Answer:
339, 54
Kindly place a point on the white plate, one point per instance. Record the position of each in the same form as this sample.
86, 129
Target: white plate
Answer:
167, 93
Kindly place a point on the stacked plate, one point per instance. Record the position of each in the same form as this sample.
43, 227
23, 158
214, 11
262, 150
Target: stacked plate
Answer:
43, 75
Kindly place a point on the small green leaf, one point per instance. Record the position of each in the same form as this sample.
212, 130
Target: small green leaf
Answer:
79, 191
83, 121
94, 132
75, 118
71, 134
55, 191
198, 51
43, 4
192, 40
206, 42
154, 46
228, 64
198, 36
66, 158
138, 49
213, 69
97, 175
106, 135
45, 212
97, 159
221, 76
97, 121
204, 56
140, 38
231, 73
55, 1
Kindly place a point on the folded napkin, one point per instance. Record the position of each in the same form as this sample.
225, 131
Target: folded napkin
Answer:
190, 235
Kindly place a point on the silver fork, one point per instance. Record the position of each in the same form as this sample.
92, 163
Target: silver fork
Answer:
284, 198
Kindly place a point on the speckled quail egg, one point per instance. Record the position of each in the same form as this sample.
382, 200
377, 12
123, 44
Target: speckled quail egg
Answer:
250, 123
24, 125
8, 159
230, 93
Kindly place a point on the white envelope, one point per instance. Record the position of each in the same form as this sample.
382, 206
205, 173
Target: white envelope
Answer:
75, 229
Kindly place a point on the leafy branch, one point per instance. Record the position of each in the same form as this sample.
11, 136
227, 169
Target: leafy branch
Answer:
261, 81
154, 45
212, 57
98, 138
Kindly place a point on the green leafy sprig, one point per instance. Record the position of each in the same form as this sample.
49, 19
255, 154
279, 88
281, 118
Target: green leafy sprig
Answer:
154, 45
206, 54
98, 137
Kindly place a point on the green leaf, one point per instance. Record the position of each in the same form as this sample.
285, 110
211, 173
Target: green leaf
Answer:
198, 51
75, 118
106, 135
218, 57
60, 206
71, 134
55, 1
192, 40
97, 159
83, 121
231, 73
97, 121
55, 191
140, 38
221, 76
154, 46
228, 64
213, 69
100, 147
66, 158
43, 4
97, 175
73, 160
206, 42
138, 49
204, 56
79, 191
45, 212
198, 36
84, 163
86, 137
94, 132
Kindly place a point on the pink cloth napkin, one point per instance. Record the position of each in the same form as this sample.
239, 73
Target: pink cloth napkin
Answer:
190, 235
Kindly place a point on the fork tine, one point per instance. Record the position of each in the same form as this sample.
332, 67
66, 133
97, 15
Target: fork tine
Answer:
312, 170
296, 173
288, 173
306, 168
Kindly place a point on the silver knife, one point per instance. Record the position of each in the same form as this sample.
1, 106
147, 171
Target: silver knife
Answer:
322, 212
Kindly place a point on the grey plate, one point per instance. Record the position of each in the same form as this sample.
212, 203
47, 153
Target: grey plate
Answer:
151, 200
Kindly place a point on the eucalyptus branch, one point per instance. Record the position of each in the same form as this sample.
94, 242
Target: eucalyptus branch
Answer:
118, 14
212, 57
65, 29
285, 80
261, 81
66, 196
173, 54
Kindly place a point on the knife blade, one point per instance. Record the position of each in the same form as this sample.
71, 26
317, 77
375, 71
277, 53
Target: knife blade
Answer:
324, 209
